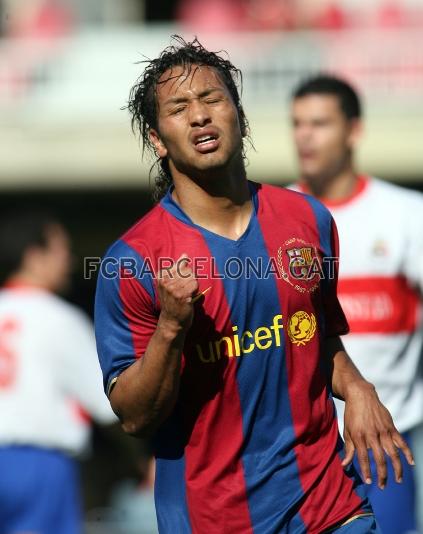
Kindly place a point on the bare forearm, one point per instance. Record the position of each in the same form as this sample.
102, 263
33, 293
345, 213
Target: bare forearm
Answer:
146, 392
344, 377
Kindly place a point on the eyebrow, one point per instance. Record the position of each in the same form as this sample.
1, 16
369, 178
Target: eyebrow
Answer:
182, 99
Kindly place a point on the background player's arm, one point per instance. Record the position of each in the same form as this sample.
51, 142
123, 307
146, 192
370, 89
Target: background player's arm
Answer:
367, 423
77, 363
145, 393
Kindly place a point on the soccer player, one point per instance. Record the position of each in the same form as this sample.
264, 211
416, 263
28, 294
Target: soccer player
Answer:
213, 341
381, 272
50, 380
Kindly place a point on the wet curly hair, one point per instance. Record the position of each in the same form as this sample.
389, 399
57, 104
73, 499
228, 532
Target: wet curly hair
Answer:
142, 104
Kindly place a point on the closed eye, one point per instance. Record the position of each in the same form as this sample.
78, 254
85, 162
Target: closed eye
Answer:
177, 110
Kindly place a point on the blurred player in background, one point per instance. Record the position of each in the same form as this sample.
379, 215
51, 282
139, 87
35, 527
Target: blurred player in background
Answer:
132, 501
50, 381
381, 269
229, 372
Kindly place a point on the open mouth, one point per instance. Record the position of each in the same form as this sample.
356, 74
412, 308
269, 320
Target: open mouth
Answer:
205, 139
207, 142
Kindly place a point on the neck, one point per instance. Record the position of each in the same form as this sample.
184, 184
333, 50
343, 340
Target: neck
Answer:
26, 279
334, 188
222, 204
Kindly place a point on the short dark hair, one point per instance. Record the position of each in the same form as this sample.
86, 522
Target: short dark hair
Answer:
18, 233
142, 103
324, 84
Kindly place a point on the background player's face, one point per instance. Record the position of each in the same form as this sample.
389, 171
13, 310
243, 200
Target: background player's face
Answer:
324, 137
52, 263
198, 125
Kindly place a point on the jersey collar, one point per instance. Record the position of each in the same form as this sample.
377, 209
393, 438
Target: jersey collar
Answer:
360, 186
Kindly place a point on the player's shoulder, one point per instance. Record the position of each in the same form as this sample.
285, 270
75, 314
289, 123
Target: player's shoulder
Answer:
294, 202
58, 311
147, 224
400, 194
285, 193
279, 192
67, 308
139, 237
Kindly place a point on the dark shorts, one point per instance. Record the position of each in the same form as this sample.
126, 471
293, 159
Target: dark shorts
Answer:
38, 492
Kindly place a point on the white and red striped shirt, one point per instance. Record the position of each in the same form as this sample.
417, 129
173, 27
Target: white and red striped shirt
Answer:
380, 282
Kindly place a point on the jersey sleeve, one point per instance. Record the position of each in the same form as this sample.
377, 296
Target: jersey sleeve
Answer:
78, 368
125, 310
333, 317
335, 321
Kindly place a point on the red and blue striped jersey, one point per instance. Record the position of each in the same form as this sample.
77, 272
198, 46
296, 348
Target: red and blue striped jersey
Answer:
252, 444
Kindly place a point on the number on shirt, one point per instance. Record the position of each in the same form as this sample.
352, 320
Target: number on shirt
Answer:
8, 361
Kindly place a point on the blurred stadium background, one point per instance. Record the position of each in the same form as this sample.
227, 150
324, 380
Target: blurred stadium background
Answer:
66, 67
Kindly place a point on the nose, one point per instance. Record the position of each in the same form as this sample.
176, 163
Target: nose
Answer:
199, 113
302, 132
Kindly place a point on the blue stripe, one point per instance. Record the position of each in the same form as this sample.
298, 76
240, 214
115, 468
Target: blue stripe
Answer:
170, 487
270, 469
113, 335
324, 224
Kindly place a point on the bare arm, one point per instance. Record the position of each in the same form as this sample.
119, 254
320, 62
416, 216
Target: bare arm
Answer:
342, 373
367, 423
146, 392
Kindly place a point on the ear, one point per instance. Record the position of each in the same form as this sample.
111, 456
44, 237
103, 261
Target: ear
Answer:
242, 121
159, 147
356, 132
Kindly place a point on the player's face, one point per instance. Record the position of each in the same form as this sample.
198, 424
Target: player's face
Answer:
198, 125
323, 135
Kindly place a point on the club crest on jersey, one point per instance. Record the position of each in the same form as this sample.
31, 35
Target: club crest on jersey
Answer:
300, 260
299, 265
301, 327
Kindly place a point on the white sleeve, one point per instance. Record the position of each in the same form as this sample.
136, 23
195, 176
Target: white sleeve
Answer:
413, 260
80, 371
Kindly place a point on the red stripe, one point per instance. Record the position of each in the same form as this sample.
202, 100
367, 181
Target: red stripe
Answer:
328, 493
19, 285
79, 412
214, 473
372, 304
215, 484
136, 304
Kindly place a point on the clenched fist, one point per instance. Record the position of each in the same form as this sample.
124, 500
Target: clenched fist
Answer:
176, 287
